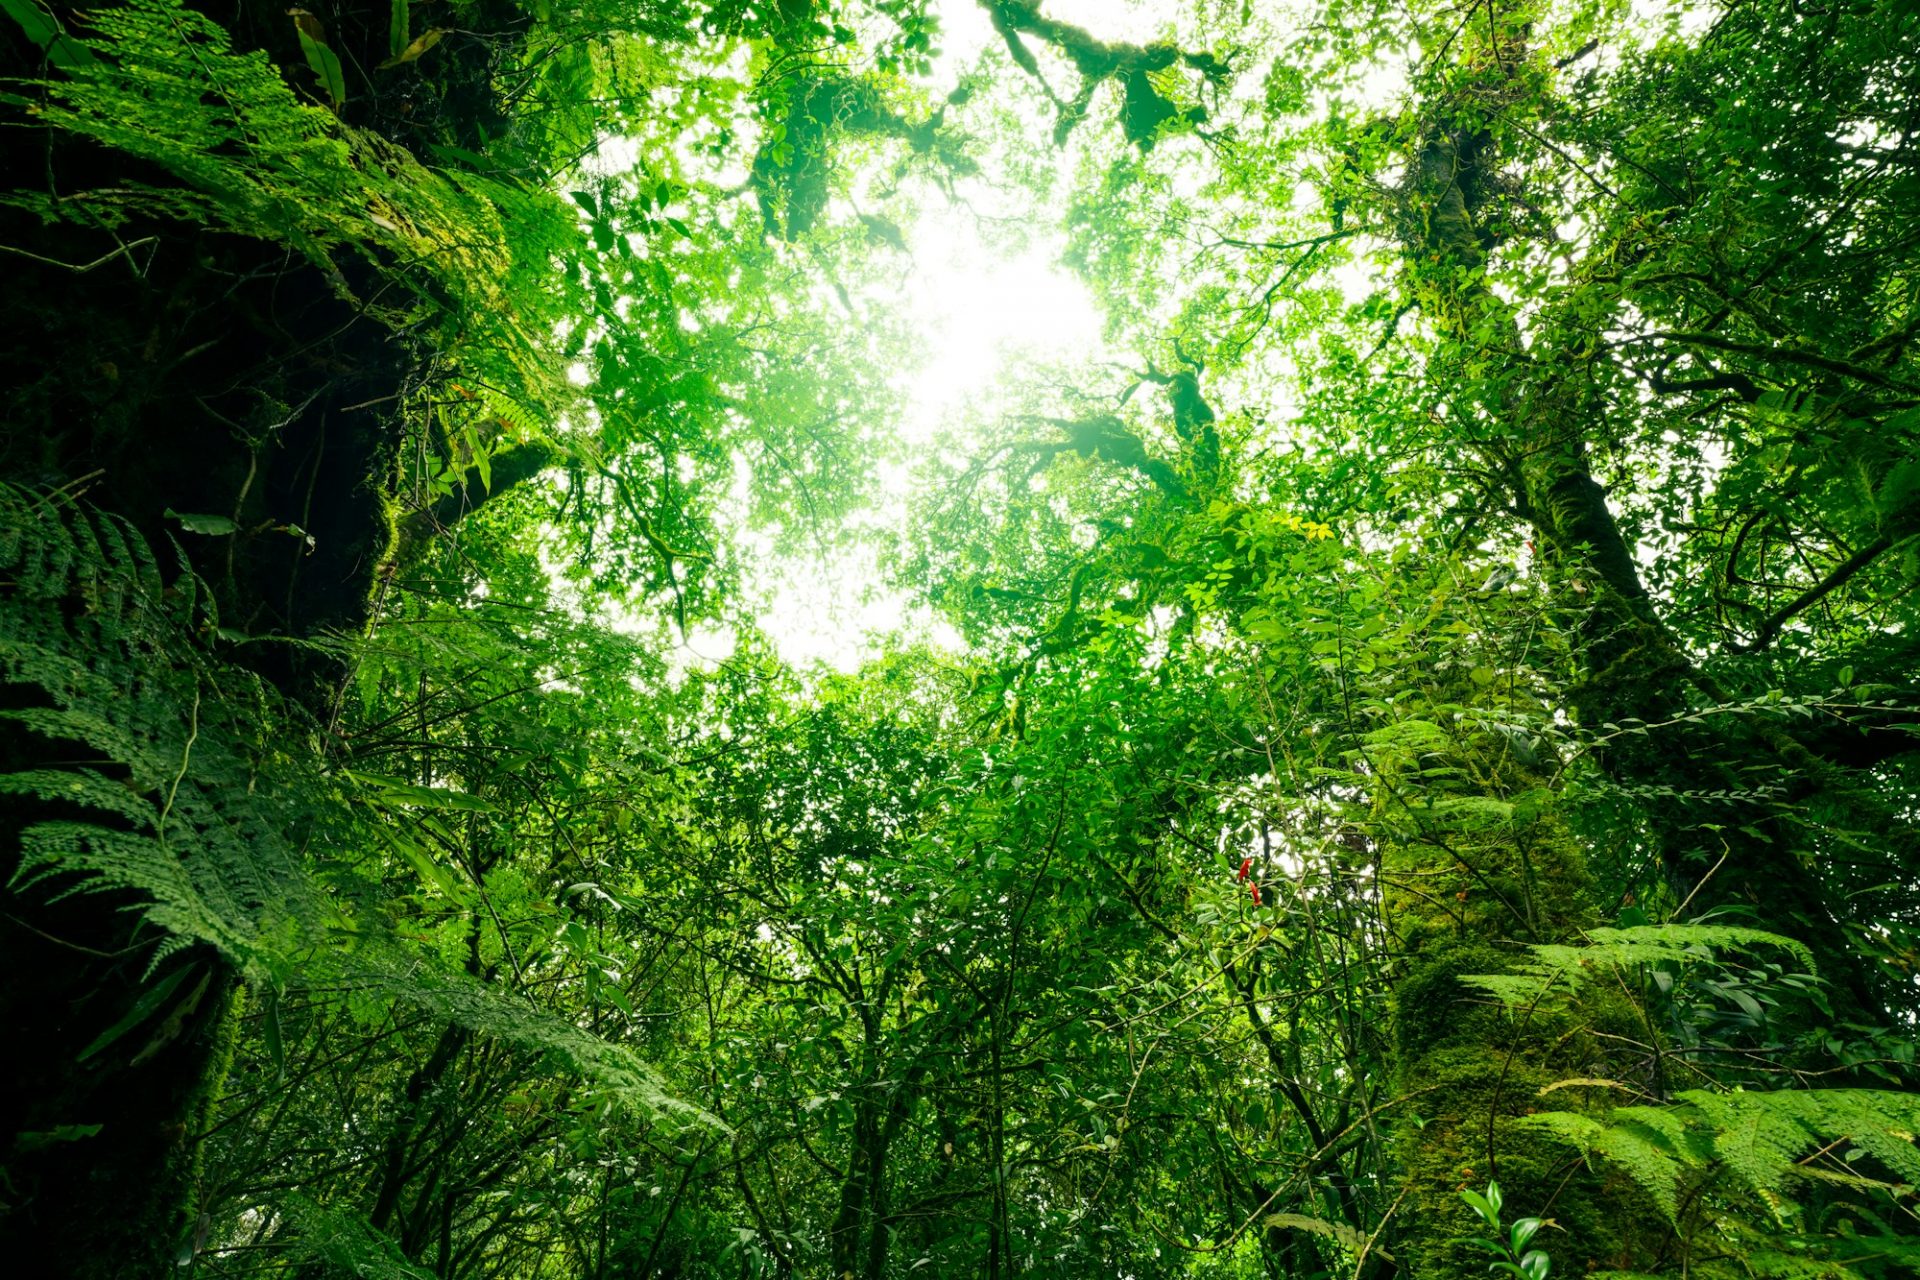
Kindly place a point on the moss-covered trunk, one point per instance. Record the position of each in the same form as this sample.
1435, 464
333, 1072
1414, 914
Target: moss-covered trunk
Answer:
1475, 864
102, 1170
160, 371
1530, 406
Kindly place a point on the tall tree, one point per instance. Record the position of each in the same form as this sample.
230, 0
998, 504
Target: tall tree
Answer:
1402, 760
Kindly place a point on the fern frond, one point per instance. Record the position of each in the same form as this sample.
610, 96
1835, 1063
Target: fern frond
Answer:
617, 1074
1762, 1136
344, 1242
190, 802
166, 86
1643, 1154
124, 679
1339, 1232
1571, 967
1760, 1139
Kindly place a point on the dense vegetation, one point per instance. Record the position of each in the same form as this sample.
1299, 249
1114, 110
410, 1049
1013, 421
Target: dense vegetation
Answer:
1400, 759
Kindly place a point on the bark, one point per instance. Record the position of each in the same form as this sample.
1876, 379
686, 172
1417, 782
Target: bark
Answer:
861, 1236
1462, 888
1144, 109
413, 1119
1461, 891
1632, 668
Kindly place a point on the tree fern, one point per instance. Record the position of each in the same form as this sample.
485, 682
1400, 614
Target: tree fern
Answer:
1644, 1151
1762, 1137
196, 799
164, 85
1571, 967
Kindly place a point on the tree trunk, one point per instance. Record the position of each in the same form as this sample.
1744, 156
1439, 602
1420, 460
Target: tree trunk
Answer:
103, 1167
1463, 886
1542, 413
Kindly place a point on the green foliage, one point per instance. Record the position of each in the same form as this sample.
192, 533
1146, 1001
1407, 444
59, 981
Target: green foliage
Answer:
1486, 530
1668, 946
164, 85
176, 796
1509, 1250
45, 31
344, 1243
194, 801
1710, 1157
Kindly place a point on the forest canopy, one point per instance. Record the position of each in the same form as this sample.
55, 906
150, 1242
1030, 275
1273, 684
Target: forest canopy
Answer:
879, 638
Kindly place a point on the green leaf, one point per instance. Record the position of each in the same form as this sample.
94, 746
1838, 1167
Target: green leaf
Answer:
424, 863
212, 526
324, 62
472, 159
44, 30
143, 1008
271, 1035
394, 791
399, 27
40, 1139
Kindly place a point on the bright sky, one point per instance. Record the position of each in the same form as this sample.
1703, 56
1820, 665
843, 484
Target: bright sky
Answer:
980, 310
978, 314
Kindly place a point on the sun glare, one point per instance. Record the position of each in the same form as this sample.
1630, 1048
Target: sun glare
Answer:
979, 311
985, 296
979, 314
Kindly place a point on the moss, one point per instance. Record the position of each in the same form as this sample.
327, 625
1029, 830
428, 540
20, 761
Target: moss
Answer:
407, 537
1464, 888
223, 1037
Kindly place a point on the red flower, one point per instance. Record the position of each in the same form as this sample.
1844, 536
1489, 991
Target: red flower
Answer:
1256, 893
1245, 863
